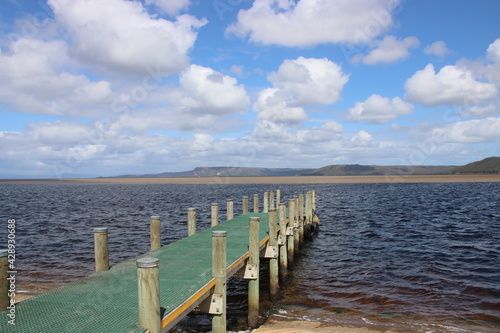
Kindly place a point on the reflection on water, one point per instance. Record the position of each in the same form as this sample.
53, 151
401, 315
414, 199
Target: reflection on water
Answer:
420, 257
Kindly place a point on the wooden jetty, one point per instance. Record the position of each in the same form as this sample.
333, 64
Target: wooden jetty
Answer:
153, 292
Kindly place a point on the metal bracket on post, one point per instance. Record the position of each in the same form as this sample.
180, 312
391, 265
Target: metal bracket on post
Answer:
212, 305
271, 252
289, 231
251, 272
281, 239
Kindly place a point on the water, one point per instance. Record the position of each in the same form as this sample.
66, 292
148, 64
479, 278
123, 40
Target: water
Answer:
405, 257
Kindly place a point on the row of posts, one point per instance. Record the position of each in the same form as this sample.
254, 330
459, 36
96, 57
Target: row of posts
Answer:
285, 239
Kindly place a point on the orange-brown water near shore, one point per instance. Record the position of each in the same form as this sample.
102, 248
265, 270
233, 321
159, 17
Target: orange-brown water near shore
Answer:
270, 180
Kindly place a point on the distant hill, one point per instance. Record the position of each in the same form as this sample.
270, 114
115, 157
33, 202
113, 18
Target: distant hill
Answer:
488, 165
373, 170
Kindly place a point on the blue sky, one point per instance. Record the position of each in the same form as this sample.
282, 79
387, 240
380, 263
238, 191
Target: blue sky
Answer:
99, 88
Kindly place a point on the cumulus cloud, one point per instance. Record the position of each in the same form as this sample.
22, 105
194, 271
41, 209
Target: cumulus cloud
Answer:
470, 131
120, 36
33, 81
312, 22
170, 7
299, 83
209, 92
388, 50
438, 48
379, 110
452, 85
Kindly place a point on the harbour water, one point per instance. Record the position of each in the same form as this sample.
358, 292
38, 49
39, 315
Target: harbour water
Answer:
405, 257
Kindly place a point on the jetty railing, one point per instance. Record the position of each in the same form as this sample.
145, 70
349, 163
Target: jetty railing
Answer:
153, 292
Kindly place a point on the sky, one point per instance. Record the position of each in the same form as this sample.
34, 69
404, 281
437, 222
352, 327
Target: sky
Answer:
94, 88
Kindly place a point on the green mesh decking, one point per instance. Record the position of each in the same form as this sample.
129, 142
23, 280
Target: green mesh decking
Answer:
107, 301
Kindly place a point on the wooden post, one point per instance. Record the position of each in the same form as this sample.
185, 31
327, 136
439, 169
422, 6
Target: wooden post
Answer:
191, 221
301, 218
4, 283
278, 198
308, 207
313, 201
296, 228
245, 205
290, 233
148, 283
230, 209
283, 269
273, 262
253, 285
266, 203
101, 249
219, 273
255, 203
215, 214
271, 200
155, 232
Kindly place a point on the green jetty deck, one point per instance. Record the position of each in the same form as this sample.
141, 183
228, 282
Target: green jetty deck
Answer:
108, 302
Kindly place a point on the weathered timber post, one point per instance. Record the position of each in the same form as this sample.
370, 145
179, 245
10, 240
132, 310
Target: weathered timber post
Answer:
266, 203
301, 219
219, 273
155, 232
148, 283
273, 262
296, 228
215, 214
309, 207
278, 198
191, 221
271, 200
255, 203
245, 205
290, 231
4, 283
283, 269
313, 201
230, 209
253, 285
101, 249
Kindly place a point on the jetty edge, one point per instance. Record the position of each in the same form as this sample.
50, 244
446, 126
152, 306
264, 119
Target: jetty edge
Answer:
154, 291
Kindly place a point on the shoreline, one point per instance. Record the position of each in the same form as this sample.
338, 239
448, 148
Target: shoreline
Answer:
380, 179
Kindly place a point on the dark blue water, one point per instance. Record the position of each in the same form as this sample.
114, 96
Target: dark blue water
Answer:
407, 257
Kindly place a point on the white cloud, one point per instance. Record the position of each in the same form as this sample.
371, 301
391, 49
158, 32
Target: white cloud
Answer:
307, 81
470, 131
312, 22
119, 36
481, 111
493, 51
272, 106
170, 7
209, 92
438, 48
452, 85
377, 109
388, 50
33, 81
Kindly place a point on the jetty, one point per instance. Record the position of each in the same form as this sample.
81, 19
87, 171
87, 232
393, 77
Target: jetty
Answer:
153, 292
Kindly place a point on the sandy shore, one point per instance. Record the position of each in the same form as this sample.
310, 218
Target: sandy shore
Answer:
269, 180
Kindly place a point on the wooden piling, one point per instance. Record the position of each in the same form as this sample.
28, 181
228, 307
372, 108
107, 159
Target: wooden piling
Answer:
219, 273
149, 294
283, 269
255, 203
289, 232
273, 262
296, 230
215, 214
101, 254
155, 232
4, 283
308, 211
301, 219
245, 205
266, 203
253, 285
230, 209
271, 200
191, 221
278, 198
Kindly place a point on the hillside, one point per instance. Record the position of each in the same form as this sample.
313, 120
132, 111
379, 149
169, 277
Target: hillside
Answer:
373, 170
488, 165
